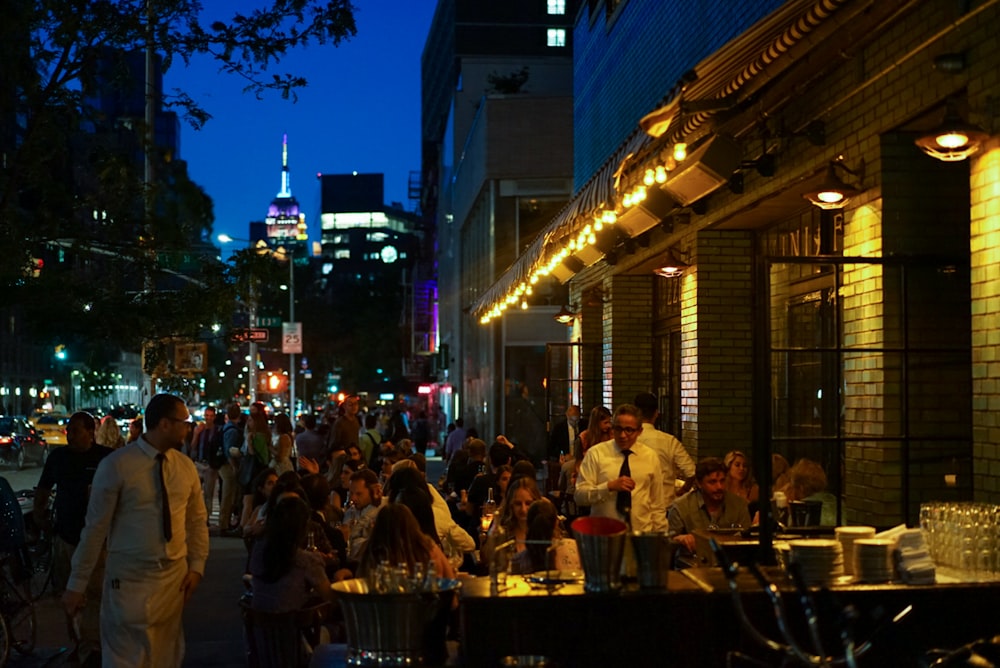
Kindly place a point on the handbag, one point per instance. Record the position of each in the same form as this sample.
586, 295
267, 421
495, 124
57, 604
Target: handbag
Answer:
248, 469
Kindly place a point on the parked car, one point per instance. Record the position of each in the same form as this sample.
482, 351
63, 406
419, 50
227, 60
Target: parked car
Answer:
52, 427
20, 442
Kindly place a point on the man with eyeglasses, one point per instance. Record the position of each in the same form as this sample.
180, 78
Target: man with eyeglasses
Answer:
146, 500
621, 478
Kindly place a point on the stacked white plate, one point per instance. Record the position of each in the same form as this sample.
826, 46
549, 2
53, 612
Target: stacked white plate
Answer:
820, 559
847, 536
873, 559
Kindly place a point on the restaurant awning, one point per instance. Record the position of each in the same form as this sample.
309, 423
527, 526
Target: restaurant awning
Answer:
631, 184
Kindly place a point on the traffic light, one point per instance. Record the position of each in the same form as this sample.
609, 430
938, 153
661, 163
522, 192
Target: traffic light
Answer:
60, 352
273, 382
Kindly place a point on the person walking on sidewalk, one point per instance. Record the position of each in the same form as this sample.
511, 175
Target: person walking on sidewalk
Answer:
146, 501
71, 470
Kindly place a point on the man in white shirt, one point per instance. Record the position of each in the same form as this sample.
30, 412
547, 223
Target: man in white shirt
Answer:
146, 501
621, 478
675, 462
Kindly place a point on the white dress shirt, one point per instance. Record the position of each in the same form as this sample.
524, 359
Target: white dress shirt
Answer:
125, 507
675, 462
446, 526
602, 463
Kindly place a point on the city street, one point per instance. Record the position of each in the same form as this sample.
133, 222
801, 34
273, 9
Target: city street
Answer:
212, 626
213, 629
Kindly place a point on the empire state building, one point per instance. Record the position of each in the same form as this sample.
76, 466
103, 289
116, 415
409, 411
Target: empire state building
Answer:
285, 224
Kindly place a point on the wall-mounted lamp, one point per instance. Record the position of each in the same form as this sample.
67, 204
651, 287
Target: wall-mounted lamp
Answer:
565, 316
834, 193
954, 140
672, 266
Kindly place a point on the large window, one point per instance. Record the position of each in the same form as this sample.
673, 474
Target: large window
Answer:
556, 6
556, 37
865, 380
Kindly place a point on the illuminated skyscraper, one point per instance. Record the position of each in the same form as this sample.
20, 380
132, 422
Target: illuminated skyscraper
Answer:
285, 224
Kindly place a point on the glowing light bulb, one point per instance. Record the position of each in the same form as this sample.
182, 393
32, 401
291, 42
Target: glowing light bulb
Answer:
952, 140
680, 151
661, 174
649, 178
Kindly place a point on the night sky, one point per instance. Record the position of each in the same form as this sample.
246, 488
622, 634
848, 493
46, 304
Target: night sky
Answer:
360, 112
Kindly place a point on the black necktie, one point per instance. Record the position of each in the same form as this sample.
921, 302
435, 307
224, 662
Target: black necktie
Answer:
624, 501
167, 531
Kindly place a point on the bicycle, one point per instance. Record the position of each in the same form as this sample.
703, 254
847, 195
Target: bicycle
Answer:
16, 607
40, 547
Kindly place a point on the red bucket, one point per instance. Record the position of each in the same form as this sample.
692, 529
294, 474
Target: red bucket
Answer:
598, 526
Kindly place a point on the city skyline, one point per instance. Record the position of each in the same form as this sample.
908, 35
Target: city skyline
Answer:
236, 156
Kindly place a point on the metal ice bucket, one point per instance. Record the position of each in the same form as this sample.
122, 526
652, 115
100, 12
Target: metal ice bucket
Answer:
601, 542
394, 629
654, 552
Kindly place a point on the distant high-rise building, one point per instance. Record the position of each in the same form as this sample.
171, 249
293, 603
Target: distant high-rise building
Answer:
285, 222
359, 233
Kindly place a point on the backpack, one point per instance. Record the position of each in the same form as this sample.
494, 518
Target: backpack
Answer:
217, 455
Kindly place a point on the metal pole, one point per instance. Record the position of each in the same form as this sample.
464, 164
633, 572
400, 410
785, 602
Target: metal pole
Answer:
291, 318
148, 138
252, 367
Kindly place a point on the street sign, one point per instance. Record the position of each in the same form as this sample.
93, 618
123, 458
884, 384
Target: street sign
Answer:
257, 334
269, 321
291, 338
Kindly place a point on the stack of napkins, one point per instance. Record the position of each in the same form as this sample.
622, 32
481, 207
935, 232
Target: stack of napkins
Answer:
913, 560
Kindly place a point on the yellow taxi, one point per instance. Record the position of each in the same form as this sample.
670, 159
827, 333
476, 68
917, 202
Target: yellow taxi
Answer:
52, 427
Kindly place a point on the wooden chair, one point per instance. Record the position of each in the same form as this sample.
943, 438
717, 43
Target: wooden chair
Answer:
283, 639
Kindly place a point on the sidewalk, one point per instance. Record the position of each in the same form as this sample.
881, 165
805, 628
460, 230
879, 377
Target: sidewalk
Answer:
213, 629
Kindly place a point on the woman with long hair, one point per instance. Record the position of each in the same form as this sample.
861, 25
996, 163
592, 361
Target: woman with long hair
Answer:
395, 539
281, 448
740, 480
547, 547
262, 486
512, 517
257, 445
598, 430
109, 433
286, 576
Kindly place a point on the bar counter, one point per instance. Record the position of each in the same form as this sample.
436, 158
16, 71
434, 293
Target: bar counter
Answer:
693, 621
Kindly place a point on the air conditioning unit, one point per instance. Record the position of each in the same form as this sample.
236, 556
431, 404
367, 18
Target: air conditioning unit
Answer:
704, 171
566, 269
646, 214
591, 253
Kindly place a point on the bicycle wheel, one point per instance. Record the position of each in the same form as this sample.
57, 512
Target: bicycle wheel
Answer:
41, 554
19, 612
4, 642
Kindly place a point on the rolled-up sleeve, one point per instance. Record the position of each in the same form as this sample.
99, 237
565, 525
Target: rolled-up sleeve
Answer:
590, 489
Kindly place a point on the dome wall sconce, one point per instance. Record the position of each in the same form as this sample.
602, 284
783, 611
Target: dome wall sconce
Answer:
833, 193
954, 140
565, 316
672, 266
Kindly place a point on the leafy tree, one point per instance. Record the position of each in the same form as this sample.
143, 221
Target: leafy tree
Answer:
72, 187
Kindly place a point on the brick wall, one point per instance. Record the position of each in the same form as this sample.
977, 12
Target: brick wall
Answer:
985, 281
628, 344
716, 345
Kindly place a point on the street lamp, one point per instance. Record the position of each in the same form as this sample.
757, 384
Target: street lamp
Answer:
261, 247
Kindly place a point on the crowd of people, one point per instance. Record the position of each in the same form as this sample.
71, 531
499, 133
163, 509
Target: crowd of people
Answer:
325, 500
